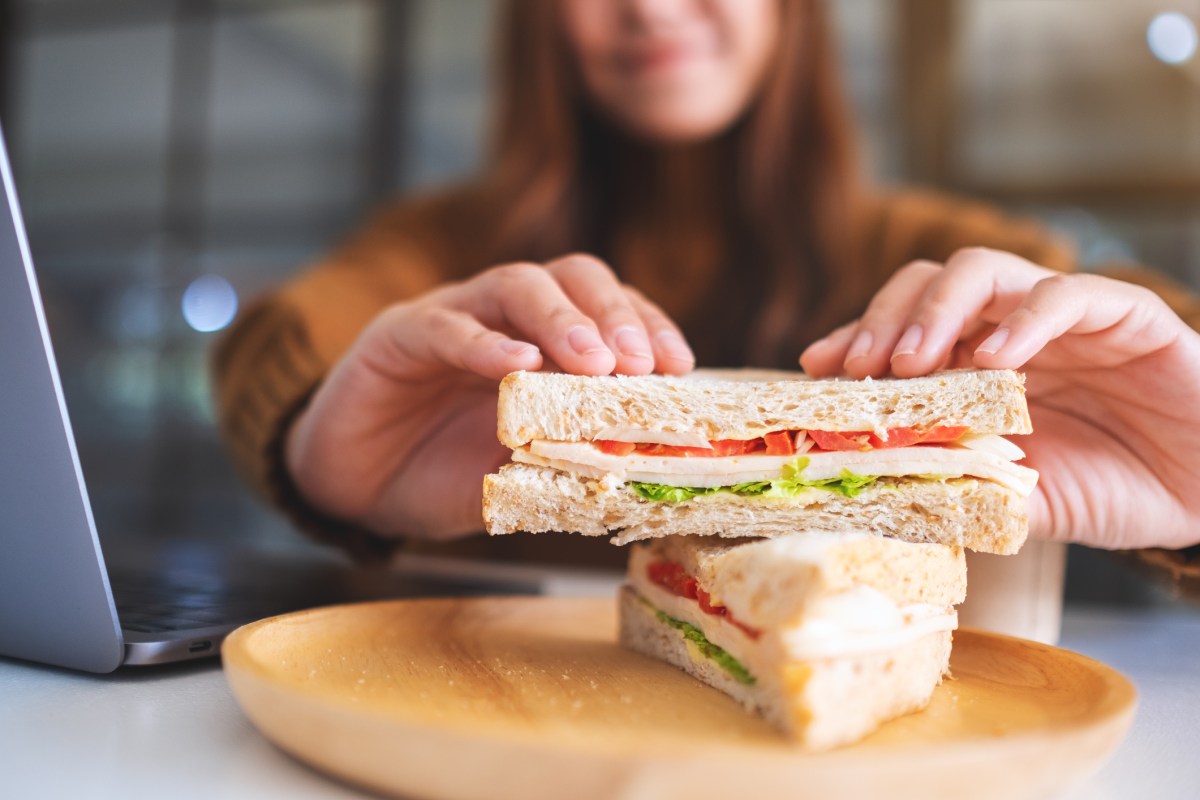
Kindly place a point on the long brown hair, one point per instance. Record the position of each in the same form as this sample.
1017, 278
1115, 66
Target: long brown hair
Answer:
794, 173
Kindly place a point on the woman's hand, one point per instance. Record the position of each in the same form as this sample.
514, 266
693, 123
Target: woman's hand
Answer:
1113, 385
399, 436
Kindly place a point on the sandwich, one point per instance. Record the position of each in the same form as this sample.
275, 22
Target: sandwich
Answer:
827, 637
737, 453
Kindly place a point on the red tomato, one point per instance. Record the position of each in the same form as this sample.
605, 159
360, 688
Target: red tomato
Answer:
735, 447
896, 437
672, 450
780, 443
672, 577
720, 448
944, 433
827, 440
615, 448
705, 600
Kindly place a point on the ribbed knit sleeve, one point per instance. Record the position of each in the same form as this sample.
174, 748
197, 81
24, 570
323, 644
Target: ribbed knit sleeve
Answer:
281, 347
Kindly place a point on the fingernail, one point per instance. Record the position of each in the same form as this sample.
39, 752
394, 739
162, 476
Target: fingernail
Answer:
515, 348
993, 344
861, 345
585, 341
633, 343
674, 346
909, 342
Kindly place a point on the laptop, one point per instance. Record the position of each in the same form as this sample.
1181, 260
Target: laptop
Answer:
63, 603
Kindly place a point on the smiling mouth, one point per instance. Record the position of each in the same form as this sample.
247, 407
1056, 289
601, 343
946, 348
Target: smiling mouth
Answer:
665, 57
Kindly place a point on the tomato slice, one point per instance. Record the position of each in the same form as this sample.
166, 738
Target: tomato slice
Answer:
780, 443
828, 440
615, 448
944, 433
673, 578
736, 447
896, 437
705, 601
719, 449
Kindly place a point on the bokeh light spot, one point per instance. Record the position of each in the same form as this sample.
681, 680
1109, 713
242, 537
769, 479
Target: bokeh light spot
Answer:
1172, 37
209, 303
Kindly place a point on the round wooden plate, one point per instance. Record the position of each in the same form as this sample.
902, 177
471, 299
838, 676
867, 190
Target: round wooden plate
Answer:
532, 698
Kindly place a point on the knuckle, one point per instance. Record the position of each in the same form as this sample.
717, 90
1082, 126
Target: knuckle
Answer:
970, 256
1066, 283
582, 265
937, 303
920, 267
942, 295
563, 316
616, 310
440, 320
520, 272
483, 336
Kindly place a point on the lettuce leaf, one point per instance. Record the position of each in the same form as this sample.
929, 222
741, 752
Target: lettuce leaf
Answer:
789, 484
709, 650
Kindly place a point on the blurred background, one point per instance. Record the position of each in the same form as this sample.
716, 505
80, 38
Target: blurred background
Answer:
174, 157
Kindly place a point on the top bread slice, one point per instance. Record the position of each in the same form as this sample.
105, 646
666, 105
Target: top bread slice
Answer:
769, 583
746, 404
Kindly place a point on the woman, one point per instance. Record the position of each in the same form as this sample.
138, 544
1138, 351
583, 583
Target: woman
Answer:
701, 152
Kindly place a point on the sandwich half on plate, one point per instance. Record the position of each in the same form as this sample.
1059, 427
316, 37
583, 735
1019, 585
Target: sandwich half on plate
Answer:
736, 453
826, 636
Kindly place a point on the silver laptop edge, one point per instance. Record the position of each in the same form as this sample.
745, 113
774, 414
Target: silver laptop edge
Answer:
56, 605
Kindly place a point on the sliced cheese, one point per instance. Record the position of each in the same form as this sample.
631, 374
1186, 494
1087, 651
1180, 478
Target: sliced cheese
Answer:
583, 458
851, 623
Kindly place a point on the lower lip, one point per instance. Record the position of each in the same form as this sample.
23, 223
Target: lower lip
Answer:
666, 59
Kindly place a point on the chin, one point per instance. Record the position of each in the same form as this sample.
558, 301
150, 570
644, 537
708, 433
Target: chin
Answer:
668, 126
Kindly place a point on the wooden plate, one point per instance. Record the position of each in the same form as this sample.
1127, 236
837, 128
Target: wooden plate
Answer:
532, 698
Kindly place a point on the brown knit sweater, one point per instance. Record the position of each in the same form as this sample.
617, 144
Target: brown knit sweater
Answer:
282, 346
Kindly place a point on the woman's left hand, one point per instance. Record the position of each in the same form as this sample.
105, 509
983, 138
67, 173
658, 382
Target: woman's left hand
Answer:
1113, 381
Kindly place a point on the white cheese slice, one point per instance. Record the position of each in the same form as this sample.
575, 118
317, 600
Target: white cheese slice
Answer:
851, 623
583, 458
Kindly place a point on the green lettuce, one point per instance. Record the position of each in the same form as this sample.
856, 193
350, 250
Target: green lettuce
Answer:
789, 484
709, 650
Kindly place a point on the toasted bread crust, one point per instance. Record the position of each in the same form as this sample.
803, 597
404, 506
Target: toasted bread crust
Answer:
732, 404
975, 514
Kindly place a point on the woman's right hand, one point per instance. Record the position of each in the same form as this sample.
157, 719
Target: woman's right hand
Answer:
400, 434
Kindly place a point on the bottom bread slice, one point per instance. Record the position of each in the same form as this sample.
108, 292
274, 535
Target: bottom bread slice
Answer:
820, 704
963, 512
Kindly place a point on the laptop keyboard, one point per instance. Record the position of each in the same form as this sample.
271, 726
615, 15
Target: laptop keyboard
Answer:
177, 601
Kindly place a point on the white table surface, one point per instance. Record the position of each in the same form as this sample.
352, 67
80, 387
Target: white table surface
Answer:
176, 732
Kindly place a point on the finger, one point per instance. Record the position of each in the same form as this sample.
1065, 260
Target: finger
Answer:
593, 287
825, 356
527, 299
977, 285
1129, 320
870, 351
672, 355
443, 336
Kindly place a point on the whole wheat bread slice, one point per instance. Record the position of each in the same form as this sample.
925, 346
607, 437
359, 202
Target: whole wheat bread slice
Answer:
732, 404
978, 515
